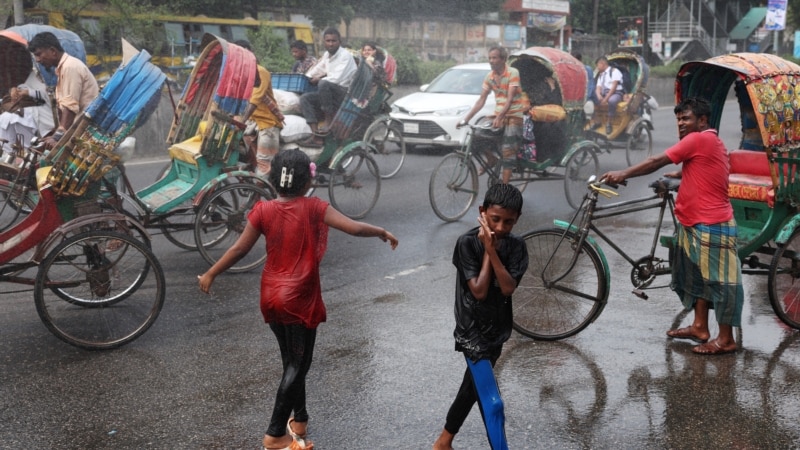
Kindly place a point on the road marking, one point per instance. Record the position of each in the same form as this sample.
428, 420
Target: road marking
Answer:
406, 272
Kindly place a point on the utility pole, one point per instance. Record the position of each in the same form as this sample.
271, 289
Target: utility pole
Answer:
594, 16
19, 13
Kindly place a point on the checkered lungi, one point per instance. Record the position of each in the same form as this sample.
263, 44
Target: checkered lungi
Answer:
512, 140
707, 267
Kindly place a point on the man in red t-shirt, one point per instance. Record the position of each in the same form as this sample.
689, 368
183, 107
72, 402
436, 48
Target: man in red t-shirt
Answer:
703, 275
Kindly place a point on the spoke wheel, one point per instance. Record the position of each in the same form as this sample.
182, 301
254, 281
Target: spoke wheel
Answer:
15, 204
453, 187
99, 289
580, 166
640, 144
355, 184
385, 138
784, 281
550, 310
223, 218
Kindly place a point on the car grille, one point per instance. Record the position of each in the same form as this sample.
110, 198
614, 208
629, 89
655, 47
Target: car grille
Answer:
427, 129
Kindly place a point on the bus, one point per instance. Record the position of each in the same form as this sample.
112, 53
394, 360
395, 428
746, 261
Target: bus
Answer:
173, 41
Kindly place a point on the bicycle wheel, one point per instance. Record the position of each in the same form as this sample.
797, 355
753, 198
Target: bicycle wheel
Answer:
178, 226
555, 310
355, 184
222, 219
784, 281
386, 137
453, 187
15, 203
96, 298
580, 166
640, 144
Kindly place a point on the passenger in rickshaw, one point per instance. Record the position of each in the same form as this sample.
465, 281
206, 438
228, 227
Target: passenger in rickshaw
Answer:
375, 57
303, 61
609, 90
511, 104
332, 75
76, 86
707, 271
264, 118
26, 108
546, 113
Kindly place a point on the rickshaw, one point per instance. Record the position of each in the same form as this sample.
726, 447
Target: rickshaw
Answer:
202, 201
96, 283
632, 122
569, 278
563, 153
764, 183
359, 129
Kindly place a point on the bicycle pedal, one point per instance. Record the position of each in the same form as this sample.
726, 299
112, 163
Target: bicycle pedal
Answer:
640, 293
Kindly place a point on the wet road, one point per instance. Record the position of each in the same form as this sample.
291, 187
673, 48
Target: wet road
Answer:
384, 369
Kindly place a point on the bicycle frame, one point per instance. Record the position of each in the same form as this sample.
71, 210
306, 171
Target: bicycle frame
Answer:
648, 265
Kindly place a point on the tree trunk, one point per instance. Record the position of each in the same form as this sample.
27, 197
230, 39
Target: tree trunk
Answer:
594, 16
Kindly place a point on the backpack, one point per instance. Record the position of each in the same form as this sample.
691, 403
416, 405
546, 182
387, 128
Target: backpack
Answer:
627, 83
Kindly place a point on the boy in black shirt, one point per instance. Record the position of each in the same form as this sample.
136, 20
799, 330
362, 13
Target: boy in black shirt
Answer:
490, 262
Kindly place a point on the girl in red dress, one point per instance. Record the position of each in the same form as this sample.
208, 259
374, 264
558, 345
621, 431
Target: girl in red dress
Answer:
296, 231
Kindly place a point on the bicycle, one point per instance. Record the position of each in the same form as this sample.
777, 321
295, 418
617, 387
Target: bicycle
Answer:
568, 279
453, 187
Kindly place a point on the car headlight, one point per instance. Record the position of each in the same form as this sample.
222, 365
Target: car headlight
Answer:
456, 111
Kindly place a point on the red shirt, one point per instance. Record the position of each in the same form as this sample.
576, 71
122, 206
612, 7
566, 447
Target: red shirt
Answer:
297, 238
703, 195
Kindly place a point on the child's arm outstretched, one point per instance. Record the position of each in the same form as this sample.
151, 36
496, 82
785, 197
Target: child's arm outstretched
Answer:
237, 251
335, 219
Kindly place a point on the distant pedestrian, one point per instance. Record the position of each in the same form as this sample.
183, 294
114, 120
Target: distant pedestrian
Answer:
296, 231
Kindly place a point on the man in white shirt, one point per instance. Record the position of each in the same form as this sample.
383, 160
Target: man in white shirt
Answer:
609, 89
332, 75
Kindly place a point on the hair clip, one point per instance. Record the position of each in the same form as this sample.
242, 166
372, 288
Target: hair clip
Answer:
313, 168
283, 176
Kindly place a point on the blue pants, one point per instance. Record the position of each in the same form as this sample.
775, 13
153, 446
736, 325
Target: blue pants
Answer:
480, 385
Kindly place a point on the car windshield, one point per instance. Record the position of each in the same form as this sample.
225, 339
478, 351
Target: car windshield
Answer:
459, 81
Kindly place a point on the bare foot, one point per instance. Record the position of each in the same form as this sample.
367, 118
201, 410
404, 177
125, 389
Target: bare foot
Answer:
444, 442
689, 333
715, 347
277, 443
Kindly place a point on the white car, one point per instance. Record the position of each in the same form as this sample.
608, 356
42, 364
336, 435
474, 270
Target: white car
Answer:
429, 117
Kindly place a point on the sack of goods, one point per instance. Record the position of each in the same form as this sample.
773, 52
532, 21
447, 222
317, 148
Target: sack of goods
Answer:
548, 113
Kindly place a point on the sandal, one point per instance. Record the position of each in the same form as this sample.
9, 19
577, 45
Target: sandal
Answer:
295, 445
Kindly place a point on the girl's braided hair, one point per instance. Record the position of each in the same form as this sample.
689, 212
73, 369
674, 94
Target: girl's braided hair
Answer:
290, 173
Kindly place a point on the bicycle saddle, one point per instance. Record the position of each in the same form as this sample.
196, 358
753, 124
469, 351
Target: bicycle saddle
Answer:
665, 184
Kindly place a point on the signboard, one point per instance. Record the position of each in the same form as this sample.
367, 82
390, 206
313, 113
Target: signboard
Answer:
511, 35
553, 6
776, 15
631, 31
546, 22
655, 41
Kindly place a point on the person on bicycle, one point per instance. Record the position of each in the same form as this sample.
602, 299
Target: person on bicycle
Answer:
707, 271
264, 112
490, 262
511, 104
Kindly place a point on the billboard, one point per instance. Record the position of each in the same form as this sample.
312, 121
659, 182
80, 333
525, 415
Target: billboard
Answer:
631, 31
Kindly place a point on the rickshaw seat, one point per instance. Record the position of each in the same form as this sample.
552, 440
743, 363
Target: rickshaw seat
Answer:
187, 151
41, 176
749, 177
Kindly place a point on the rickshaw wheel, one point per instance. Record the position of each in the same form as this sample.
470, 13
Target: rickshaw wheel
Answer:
580, 166
95, 295
13, 207
355, 184
221, 220
784, 281
453, 187
640, 144
520, 177
385, 137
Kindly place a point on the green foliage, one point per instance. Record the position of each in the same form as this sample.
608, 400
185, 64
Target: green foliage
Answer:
428, 70
408, 63
666, 71
271, 50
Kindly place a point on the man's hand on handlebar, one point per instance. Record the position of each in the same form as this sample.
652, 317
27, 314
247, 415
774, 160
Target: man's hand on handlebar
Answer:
613, 178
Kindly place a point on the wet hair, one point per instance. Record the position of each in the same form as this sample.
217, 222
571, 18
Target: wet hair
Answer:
502, 50
290, 172
300, 45
602, 58
698, 105
44, 40
244, 43
505, 196
332, 31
